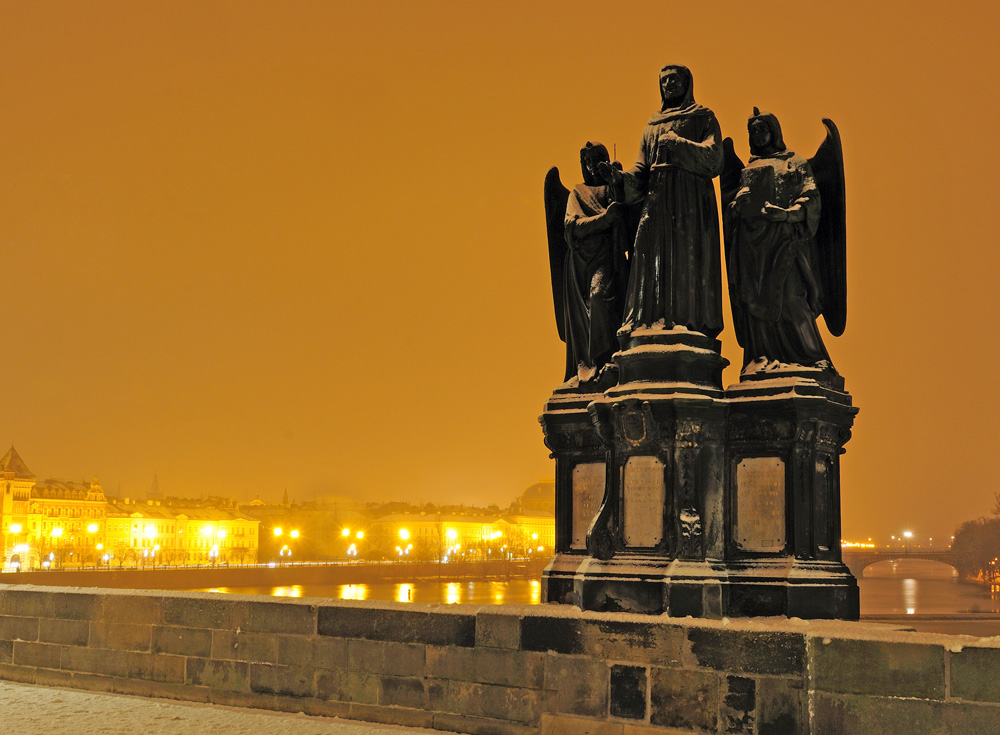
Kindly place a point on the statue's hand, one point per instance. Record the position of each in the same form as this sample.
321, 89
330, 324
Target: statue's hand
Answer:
614, 212
610, 174
669, 139
774, 213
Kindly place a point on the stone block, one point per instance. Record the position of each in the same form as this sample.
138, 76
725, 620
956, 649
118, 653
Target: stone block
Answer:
403, 626
75, 680
314, 651
201, 612
613, 640
739, 702
129, 608
842, 714
877, 668
182, 641
64, 632
975, 674
489, 700
403, 716
684, 699
120, 636
486, 665
447, 722
6, 651
42, 655
747, 652
384, 657
232, 675
498, 628
223, 644
60, 603
155, 667
401, 691
347, 686
256, 647
18, 628
161, 690
554, 724
9, 672
292, 681
782, 707
580, 684
280, 617
107, 662
628, 692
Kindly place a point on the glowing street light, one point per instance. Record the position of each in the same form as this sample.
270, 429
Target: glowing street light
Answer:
404, 534
294, 533
92, 528
346, 532
359, 534
278, 531
15, 528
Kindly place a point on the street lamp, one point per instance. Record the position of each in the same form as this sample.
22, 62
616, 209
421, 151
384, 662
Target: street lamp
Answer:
907, 535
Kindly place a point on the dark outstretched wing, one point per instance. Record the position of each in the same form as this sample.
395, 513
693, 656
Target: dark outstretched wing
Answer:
556, 196
729, 184
831, 237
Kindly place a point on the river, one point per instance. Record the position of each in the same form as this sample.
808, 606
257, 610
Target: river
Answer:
925, 595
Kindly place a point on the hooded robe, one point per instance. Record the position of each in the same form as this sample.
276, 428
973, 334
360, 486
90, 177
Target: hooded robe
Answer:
676, 271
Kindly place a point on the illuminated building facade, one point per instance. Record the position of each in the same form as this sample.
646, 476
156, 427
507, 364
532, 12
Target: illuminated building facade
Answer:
60, 523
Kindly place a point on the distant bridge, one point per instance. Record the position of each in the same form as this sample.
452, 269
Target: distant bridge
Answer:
857, 559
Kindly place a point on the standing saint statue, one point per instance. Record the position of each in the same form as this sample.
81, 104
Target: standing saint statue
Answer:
785, 247
675, 269
587, 246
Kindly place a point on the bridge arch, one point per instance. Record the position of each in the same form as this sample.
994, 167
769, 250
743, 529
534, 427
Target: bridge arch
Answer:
859, 560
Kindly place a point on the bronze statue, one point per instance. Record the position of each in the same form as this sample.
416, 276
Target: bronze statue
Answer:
676, 271
785, 247
587, 246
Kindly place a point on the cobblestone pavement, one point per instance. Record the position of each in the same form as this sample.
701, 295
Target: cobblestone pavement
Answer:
35, 710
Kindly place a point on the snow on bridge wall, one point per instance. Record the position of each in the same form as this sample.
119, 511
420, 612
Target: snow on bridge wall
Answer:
512, 669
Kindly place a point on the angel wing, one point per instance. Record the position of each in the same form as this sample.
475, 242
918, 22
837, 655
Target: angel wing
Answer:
729, 184
831, 237
556, 196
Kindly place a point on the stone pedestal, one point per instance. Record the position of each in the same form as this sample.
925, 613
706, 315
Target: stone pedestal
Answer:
786, 431
661, 522
714, 503
580, 479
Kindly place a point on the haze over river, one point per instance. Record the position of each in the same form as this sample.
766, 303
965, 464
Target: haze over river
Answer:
926, 595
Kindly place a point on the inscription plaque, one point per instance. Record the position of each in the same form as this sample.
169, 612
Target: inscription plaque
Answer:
645, 493
588, 492
760, 504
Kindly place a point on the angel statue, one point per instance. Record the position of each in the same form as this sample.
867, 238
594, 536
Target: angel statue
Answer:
587, 259
785, 253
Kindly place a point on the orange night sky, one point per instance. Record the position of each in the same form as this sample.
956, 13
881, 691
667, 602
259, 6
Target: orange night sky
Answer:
254, 246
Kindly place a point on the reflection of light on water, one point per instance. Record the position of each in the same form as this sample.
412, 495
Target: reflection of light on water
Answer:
536, 591
498, 591
910, 595
404, 593
453, 593
294, 590
354, 592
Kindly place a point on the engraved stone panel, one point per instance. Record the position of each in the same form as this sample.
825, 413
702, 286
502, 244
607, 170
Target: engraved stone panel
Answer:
588, 492
760, 504
645, 493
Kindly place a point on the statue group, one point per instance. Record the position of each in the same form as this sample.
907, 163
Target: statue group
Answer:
673, 493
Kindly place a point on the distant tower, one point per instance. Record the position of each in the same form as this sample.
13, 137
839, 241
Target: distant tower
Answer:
284, 498
154, 492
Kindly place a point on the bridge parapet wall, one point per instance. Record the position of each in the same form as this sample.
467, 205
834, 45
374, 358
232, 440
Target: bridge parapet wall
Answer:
514, 669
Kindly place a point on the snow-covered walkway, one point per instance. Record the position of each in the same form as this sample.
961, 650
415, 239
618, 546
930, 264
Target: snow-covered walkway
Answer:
35, 710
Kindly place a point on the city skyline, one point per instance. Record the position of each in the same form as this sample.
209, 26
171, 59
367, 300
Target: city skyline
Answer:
303, 247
